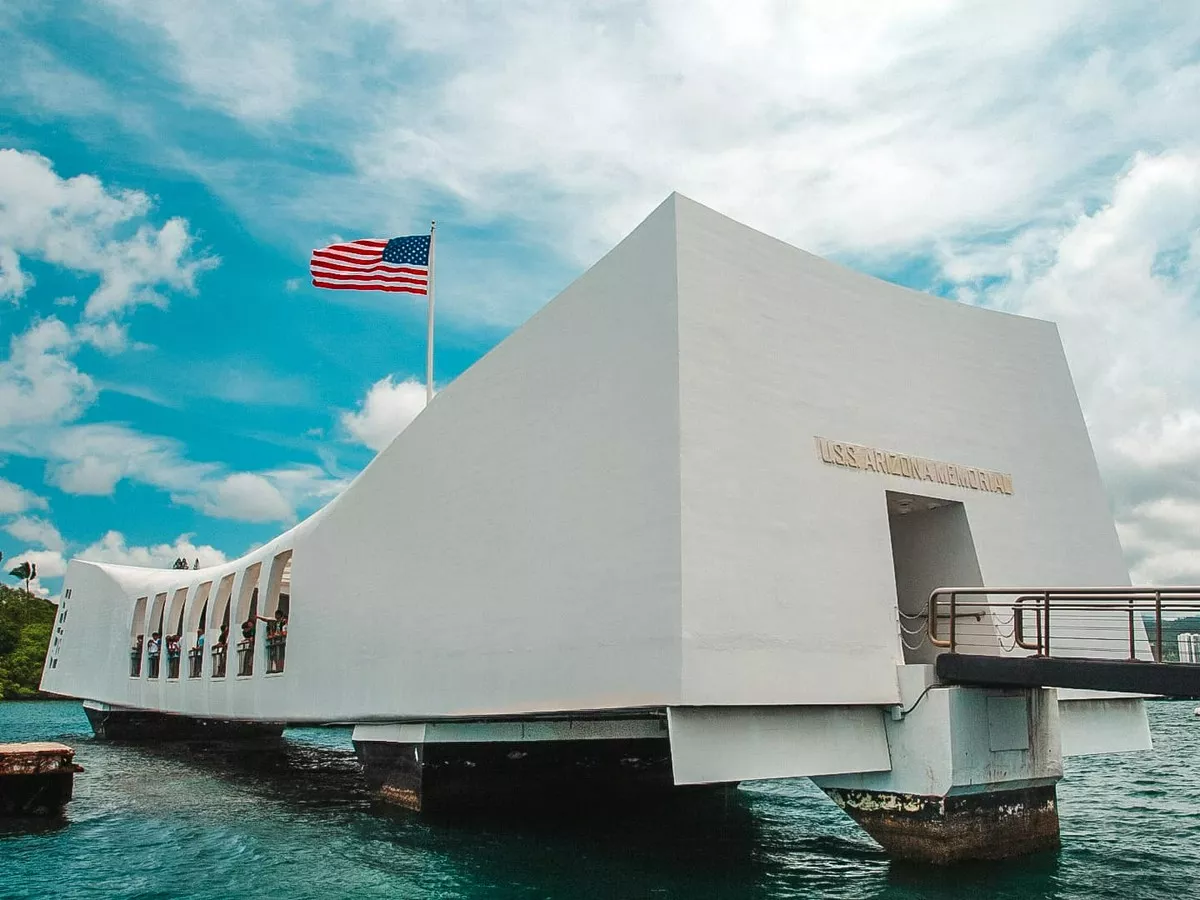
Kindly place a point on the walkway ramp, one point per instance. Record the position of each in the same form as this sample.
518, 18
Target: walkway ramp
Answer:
1123, 639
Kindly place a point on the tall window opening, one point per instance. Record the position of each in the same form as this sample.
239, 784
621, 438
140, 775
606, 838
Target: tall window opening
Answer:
174, 633
194, 634
277, 609
154, 644
220, 624
247, 615
137, 637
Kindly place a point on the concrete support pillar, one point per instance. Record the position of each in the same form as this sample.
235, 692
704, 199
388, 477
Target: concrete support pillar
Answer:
973, 774
460, 766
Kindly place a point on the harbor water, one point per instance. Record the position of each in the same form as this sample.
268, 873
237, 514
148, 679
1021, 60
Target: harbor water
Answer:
293, 820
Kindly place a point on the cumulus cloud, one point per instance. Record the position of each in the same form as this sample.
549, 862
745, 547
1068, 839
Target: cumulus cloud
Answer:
247, 496
39, 382
34, 530
16, 499
93, 459
385, 411
113, 548
110, 337
242, 62
79, 224
1123, 283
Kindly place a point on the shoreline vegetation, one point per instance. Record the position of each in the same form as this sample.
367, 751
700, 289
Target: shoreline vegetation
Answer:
26, 623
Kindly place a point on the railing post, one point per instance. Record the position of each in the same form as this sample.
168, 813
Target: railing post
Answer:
1132, 648
1158, 625
953, 621
1046, 604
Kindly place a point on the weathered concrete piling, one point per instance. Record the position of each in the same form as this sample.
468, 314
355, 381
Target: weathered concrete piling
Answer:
36, 779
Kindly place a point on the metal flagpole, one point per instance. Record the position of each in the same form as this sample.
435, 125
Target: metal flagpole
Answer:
429, 343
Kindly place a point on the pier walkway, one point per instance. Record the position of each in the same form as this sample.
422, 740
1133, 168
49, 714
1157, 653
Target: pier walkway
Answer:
1093, 638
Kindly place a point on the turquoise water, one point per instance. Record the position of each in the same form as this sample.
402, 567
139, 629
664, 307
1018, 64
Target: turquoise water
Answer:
295, 822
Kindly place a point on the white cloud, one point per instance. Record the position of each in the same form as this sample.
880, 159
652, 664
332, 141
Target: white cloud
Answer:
93, 459
16, 499
387, 409
112, 548
240, 60
33, 530
13, 282
1123, 284
110, 337
246, 496
50, 563
80, 225
39, 382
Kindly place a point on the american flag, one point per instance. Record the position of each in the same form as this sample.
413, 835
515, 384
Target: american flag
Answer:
374, 264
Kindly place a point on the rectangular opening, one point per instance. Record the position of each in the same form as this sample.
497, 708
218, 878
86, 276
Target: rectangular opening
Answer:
220, 624
277, 610
932, 547
173, 639
154, 646
247, 615
137, 637
196, 622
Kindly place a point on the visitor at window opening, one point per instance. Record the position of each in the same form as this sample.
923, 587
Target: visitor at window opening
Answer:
200, 638
152, 648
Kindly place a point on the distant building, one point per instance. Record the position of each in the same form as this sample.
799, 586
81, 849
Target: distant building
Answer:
1189, 648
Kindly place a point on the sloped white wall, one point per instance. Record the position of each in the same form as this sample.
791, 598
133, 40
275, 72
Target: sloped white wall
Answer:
518, 545
789, 590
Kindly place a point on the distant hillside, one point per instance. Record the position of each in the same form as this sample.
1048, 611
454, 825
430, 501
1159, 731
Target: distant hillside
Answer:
1172, 629
25, 626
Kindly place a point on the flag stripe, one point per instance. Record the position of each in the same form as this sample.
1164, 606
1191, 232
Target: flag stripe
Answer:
342, 286
347, 256
365, 244
382, 277
372, 267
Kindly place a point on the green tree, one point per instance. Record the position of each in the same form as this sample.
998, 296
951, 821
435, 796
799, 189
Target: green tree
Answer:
26, 623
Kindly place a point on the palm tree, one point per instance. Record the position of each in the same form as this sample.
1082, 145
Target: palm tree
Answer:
26, 571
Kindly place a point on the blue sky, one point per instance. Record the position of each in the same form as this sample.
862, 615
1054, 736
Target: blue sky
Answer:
173, 385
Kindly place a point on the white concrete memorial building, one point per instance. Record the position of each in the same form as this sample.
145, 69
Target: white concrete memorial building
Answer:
679, 529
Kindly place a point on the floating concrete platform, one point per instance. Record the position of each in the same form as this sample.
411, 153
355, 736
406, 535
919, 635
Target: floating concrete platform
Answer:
36, 779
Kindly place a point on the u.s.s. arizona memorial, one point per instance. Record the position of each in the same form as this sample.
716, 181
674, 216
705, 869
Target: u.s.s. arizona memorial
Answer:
679, 529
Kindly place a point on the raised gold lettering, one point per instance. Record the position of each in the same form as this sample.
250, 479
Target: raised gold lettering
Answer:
886, 462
